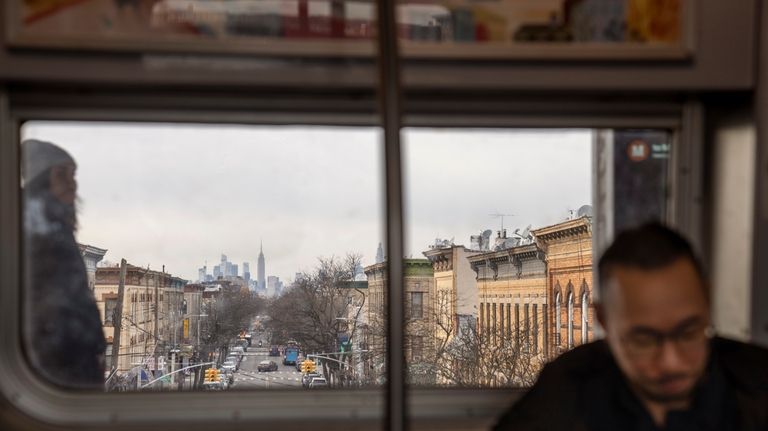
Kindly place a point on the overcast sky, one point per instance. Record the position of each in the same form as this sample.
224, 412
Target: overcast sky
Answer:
180, 195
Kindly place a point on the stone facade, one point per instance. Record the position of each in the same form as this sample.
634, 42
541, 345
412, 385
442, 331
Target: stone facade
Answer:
455, 289
512, 296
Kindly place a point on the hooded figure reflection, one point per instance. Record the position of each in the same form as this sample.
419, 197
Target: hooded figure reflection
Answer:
64, 334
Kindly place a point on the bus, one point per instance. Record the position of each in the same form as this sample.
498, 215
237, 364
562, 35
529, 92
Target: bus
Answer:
291, 353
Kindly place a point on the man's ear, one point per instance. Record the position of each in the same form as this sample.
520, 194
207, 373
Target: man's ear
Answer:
600, 314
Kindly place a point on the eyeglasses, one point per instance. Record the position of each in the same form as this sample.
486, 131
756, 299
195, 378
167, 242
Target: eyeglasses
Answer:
647, 344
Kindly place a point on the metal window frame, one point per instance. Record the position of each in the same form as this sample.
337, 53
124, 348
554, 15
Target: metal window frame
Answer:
366, 408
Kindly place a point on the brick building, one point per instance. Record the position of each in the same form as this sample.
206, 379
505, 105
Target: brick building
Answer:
568, 250
137, 341
419, 294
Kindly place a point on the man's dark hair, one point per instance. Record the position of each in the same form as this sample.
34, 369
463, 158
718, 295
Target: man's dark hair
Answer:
650, 246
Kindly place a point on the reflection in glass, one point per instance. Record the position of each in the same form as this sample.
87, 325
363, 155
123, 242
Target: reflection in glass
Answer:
200, 257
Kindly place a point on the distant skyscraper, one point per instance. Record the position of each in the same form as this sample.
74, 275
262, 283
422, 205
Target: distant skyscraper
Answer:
217, 272
201, 273
273, 286
246, 271
380, 254
260, 270
235, 271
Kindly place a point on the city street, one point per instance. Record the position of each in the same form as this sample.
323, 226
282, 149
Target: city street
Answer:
249, 378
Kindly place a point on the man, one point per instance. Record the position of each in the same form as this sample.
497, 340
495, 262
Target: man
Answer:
64, 334
660, 366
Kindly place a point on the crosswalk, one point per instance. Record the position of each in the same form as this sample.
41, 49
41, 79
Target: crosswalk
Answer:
273, 375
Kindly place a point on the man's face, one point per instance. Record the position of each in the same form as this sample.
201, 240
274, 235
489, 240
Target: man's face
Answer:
655, 323
63, 184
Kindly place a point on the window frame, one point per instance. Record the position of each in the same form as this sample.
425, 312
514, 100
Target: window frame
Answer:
50, 405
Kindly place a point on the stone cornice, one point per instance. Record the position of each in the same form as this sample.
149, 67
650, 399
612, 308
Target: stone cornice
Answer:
569, 228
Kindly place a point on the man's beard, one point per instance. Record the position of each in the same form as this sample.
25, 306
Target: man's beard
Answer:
664, 398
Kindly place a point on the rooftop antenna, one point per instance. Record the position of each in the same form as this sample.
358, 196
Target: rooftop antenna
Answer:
499, 215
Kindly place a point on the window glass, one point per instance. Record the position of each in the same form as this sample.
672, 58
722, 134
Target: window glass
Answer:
202, 257
200, 25
501, 26
505, 219
500, 218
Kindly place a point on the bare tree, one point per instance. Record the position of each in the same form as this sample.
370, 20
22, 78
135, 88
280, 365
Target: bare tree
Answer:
227, 316
313, 311
454, 351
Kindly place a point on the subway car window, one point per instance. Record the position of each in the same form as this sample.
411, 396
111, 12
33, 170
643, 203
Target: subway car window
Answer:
499, 227
183, 257
382, 214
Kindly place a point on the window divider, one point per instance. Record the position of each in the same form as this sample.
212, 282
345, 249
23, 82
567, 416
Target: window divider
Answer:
389, 97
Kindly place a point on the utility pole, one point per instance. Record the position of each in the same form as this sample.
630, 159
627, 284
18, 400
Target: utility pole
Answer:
117, 317
157, 338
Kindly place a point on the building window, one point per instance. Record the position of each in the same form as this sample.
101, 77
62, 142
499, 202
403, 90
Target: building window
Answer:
558, 318
570, 320
501, 321
417, 305
482, 318
584, 317
109, 311
517, 324
108, 357
509, 321
526, 316
535, 333
417, 348
494, 323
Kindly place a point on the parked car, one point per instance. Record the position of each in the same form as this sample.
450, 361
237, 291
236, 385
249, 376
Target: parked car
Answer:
265, 366
318, 382
235, 360
228, 367
306, 379
274, 351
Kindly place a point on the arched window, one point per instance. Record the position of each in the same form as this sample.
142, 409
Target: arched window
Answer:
584, 320
558, 323
570, 320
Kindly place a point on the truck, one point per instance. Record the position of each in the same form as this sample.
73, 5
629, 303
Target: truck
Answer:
291, 355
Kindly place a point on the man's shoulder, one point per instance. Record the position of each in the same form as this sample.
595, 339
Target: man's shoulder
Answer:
581, 363
574, 377
744, 364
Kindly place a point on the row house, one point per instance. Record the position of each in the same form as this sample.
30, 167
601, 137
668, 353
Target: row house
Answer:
455, 291
419, 310
148, 297
512, 297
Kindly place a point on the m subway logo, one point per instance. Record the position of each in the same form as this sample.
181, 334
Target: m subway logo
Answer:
638, 150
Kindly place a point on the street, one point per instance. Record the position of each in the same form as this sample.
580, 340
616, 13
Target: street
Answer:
249, 378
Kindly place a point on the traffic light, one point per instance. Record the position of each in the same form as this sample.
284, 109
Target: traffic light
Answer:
211, 375
308, 366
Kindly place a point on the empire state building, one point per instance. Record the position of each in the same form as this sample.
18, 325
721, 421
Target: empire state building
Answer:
262, 284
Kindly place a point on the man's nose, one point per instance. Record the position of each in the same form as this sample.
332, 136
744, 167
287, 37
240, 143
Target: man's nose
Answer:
670, 358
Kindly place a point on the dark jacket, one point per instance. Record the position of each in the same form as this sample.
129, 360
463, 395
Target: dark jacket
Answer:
65, 340
584, 390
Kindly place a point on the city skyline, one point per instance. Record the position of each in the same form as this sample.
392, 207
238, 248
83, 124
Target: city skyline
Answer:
176, 196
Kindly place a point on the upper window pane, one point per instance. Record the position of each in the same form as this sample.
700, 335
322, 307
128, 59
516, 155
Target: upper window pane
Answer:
304, 27
433, 28
539, 28
190, 257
